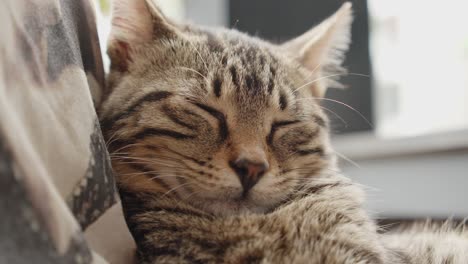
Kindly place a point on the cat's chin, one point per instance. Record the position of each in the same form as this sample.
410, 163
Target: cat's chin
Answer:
231, 207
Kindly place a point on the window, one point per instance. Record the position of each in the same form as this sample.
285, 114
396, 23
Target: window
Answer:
420, 60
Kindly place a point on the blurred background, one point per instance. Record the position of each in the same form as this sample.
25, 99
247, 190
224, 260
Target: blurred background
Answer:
403, 130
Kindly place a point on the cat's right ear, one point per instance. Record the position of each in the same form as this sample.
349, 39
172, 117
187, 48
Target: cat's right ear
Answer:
321, 49
134, 23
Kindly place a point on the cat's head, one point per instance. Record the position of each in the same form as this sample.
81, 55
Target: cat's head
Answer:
219, 119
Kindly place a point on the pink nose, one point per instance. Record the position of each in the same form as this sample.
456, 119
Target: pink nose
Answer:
249, 172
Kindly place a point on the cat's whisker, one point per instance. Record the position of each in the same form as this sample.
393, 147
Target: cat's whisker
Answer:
135, 174
311, 74
145, 163
110, 140
159, 176
316, 67
149, 159
152, 157
130, 158
347, 159
199, 55
307, 174
341, 103
156, 161
195, 71
178, 154
149, 175
175, 188
151, 172
335, 114
292, 155
329, 76
127, 146
312, 172
311, 166
174, 164
190, 195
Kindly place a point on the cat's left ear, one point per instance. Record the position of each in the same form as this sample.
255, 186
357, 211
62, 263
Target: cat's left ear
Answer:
321, 49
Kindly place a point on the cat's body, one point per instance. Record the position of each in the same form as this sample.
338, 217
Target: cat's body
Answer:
221, 148
325, 226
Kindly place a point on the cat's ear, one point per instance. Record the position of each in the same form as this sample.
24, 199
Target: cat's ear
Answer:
135, 22
321, 50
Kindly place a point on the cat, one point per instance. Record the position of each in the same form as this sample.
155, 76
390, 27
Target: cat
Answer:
222, 153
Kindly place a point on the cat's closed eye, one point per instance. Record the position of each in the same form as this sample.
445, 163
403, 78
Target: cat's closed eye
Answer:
278, 125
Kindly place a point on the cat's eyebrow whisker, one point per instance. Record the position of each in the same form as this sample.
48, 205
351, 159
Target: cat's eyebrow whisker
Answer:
329, 76
195, 71
199, 54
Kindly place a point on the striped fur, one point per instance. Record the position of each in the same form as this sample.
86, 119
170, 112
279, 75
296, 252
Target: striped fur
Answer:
325, 226
190, 104
186, 101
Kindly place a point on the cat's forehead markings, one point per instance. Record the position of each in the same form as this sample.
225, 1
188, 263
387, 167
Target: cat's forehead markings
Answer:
235, 78
283, 102
246, 67
217, 83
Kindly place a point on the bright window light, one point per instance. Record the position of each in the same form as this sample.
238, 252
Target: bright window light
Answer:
419, 54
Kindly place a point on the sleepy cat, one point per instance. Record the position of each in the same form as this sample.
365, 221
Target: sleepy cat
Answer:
221, 149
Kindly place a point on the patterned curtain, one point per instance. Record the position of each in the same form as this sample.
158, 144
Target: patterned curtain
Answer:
58, 201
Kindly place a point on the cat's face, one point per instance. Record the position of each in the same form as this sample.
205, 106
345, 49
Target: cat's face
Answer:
218, 119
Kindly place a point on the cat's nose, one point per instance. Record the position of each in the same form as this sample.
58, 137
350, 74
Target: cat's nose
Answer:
249, 171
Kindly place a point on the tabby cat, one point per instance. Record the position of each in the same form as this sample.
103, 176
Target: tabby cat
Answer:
221, 149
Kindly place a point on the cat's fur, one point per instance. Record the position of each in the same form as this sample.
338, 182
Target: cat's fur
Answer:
186, 103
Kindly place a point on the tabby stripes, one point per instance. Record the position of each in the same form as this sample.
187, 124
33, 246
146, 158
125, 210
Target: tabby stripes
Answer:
150, 97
